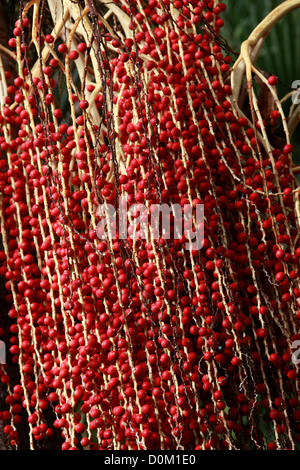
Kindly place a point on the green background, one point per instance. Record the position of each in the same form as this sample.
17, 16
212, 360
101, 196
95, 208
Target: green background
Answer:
280, 54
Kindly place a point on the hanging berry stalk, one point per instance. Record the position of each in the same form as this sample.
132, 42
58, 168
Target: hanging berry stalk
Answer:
133, 343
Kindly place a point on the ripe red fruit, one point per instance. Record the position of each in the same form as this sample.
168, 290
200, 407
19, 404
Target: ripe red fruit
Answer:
73, 55
62, 48
81, 47
83, 104
272, 80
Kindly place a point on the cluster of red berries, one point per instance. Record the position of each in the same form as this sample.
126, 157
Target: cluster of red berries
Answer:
140, 343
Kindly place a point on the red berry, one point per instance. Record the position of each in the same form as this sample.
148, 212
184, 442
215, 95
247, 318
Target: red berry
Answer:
272, 80
83, 104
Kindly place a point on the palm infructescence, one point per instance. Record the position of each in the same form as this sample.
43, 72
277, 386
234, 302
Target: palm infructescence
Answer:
134, 343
